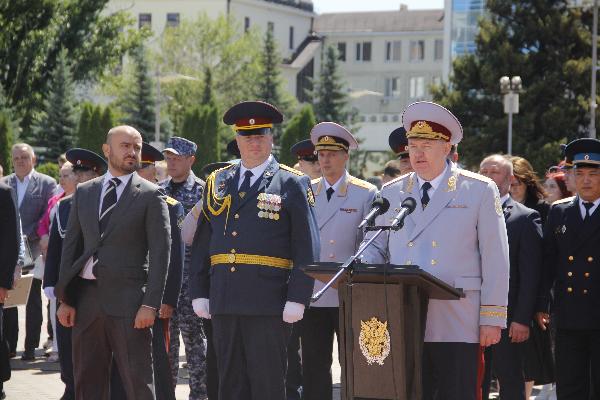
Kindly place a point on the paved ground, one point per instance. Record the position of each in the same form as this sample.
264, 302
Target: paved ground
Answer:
41, 380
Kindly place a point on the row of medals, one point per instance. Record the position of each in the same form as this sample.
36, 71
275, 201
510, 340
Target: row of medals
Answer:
269, 206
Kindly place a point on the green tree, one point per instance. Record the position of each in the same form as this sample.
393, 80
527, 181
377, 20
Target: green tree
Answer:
58, 123
548, 44
218, 45
107, 122
96, 133
33, 34
330, 100
49, 168
6, 139
201, 126
83, 127
138, 101
297, 129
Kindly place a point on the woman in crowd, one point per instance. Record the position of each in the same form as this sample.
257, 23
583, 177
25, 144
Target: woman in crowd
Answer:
555, 187
526, 189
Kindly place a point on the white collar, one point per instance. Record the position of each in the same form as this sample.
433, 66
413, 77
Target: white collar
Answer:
123, 178
256, 171
337, 184
26, 178
596, 202
435, 182
504, 198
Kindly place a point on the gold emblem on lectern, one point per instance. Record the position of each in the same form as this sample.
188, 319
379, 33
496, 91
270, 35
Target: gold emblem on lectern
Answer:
374, 340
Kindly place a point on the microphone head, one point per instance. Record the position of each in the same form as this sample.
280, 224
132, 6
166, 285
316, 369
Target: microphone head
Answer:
410, 204
385, 205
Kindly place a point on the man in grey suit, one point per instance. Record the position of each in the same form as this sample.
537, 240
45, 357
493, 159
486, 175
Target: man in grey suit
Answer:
113, 269
456, 233
32, 191
341, 202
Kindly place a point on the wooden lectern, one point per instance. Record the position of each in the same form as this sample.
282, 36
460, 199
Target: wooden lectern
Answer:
383, 310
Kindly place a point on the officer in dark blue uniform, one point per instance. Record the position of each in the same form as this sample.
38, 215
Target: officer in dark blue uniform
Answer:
571, 273
163, 381
256, 231
86, 165
308, 162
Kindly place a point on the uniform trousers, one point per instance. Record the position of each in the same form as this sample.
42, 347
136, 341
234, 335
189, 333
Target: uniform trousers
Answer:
163, 380
318, 327
251, 356
65, 358
186, 322
212, 373
505, 359
293, 380
577, 364
450, 371
97, 339
33, 320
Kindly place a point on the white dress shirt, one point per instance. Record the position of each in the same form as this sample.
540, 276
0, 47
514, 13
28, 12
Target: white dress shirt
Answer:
435, 182
592, 209
336, 185
86, 271
22, 187
256, 171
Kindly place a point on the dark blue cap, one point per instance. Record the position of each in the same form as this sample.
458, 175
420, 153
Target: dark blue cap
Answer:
252, 117
181, 146
398, 142
304, 150
86, 160
584, 152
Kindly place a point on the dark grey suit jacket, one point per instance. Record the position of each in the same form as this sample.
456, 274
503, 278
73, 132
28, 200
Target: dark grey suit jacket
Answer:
133, 254
41, 187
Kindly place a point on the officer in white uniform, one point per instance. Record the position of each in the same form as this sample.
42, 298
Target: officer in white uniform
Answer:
341, 202
457, 233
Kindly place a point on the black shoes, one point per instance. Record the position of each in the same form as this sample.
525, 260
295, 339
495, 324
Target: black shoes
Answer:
28, 355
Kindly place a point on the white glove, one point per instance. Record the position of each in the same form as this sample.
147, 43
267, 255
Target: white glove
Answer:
17, 274
200, 307
49, 292
188, 227
293, 312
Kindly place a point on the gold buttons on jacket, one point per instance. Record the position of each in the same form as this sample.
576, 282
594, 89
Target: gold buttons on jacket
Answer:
590, 259
231, 258
234, 233
410, 244
434, 244
585, 291
232, 269
408, 262
571, 258
587, 274
236, 216
332, 241
570, 289
569, 273
232, 251
332, 255
433, 262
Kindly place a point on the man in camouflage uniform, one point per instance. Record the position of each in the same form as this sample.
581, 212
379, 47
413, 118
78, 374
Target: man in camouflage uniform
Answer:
186, 188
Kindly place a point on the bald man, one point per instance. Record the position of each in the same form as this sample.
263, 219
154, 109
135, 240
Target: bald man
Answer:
109, 291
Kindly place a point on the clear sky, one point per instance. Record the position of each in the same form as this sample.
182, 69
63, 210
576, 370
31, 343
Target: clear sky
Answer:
326, 6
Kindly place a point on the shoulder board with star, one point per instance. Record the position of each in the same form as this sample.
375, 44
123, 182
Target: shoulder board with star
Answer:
315, 181
292, 170
360, 183
474, 175
171, 201
563, 201
216, 171
398, 179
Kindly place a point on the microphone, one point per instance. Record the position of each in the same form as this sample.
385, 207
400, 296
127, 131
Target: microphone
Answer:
407, 207
379, 206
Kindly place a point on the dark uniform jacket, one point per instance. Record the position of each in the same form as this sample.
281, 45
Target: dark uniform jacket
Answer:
275, 219
9, 237
572, 267
524, 229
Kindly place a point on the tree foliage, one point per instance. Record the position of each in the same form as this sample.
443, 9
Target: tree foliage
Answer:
32, 35
548, 44
297, 129
6, 141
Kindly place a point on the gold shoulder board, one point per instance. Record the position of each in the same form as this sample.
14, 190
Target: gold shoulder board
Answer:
361, 183
565, 200
474, 175
395, 180
292, 170
315, 181
171, 201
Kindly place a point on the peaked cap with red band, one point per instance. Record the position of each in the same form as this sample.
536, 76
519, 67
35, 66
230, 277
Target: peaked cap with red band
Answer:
252, 117
427, 120
398, 142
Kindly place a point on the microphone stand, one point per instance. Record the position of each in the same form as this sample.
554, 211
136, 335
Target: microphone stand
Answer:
349, 263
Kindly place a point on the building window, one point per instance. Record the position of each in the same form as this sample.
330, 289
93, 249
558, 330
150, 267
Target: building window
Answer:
373, 118
392, 87
271, 26
246, 24
417, 50
173, 20
291, 38
384, 118
417, 87
341, 46
363, 51
392, 50
145, 19
439, 49
395, 118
